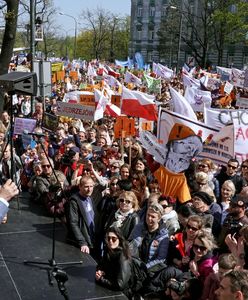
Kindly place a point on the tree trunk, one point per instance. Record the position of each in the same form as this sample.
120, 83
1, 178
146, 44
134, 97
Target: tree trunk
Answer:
9, 35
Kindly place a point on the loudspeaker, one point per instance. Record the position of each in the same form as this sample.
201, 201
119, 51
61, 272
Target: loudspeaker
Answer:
24, 83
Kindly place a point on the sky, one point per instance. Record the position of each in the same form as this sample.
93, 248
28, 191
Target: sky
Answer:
74, 7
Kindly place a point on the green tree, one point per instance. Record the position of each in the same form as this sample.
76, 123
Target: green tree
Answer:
8, 42
229, 23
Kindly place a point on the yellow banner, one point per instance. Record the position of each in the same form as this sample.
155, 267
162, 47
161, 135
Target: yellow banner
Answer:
57, 67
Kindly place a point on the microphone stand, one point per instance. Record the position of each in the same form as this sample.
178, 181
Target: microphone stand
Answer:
54, 271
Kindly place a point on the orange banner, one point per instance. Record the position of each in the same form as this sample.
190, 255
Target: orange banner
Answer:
116, 100
124, 127
88, 100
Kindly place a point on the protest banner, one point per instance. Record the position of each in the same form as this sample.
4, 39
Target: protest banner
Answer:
116, 100
167, 119
242, 101
73, 75
124, 127
22, 124
219, 151
78, 111
87, 99
219, 118
241, 140
145, 125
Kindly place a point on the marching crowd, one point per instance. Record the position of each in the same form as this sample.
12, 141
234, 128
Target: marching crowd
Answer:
106, 190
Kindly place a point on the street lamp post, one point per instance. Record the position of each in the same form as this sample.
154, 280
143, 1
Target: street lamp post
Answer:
179, 34
75, 35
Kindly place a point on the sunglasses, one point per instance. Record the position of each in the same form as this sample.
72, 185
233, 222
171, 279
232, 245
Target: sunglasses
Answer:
46, 166
165, 205
125, 201
198, 247
203, 166
113, 184
231, 167
244, 166
112, 238
192, 228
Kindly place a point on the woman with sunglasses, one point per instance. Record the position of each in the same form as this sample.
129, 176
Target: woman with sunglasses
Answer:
125, 217
114, 269
180, 248
169, 217
203, 258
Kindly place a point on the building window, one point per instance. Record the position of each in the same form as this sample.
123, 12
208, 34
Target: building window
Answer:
230, 60
245, 60
139, 35
151, 35
152, 11
139, 11
149, 56
164, 10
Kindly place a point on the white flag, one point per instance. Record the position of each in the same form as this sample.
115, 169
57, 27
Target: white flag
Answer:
131, 78
181, 105
198, 98
190, 81
163, 71
102, 101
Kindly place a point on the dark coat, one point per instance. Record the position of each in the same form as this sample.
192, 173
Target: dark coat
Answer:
77, 223
127, 225
117, 269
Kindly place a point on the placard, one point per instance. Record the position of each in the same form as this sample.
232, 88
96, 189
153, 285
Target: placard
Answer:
50, 122
124, 127
22, 124
116, 100
87, 100
77, 111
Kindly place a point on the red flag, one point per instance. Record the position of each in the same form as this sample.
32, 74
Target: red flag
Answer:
138, 104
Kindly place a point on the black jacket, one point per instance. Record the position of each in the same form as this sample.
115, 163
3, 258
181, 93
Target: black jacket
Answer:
77, 223
117, 269
127, 225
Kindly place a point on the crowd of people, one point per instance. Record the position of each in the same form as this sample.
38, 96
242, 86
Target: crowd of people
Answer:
106, 191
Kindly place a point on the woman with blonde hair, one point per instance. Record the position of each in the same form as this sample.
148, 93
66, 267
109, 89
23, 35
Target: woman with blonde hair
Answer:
126, 217
207, 166
228, 190
204, 259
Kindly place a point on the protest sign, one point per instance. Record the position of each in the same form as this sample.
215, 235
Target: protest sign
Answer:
124, 127
167, 119
242, 101
87, 99
241, 140
50, 122
22, 124
78, 111
116, 100
219, 118
228, 87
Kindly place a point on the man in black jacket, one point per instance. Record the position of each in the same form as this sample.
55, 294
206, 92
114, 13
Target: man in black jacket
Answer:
82, 215
230, 173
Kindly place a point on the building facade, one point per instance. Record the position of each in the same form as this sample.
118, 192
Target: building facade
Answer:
146, 20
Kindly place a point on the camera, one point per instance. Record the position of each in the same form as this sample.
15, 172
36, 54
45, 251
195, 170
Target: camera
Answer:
234, 227
67, 158
178, 287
